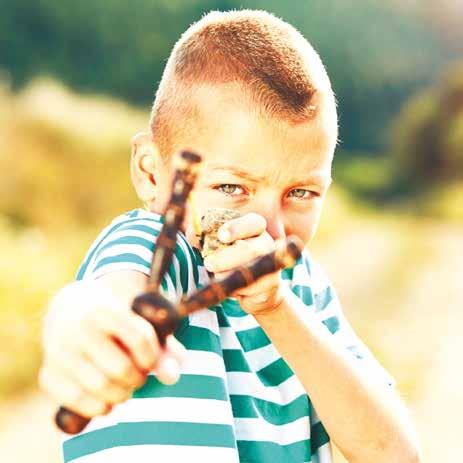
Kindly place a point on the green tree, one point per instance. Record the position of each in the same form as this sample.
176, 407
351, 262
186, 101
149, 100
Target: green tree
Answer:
376, 53
427, 137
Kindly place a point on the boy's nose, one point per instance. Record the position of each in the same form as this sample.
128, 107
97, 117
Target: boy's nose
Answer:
275, 225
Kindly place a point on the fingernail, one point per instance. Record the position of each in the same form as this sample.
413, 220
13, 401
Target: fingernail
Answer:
224, 235
170, 370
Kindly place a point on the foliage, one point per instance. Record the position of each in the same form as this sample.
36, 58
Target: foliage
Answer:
367, 177
427, 137
375, 52
67, 151
33, 266
65, 160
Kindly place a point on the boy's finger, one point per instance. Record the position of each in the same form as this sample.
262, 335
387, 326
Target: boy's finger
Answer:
246, 226
168, 370
69, 394
239, 253
107, 356
176, 349
136, 334
169, 366
82, 371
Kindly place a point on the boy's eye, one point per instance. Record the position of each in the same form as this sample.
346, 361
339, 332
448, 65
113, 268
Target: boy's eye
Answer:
300, 193
230, 189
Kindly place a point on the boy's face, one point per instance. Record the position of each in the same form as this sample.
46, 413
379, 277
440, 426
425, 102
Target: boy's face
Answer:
269, 167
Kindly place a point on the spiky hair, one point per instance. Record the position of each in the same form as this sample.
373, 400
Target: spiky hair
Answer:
274, 66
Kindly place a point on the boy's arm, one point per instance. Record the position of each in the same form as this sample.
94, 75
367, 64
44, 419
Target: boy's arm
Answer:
96, 350
364, 417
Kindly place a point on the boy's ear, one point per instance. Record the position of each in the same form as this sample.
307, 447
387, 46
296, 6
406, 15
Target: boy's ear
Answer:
143, 165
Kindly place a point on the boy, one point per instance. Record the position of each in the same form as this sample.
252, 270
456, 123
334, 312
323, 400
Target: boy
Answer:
247, 92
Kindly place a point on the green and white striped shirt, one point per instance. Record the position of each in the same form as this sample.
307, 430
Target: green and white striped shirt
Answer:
236, 400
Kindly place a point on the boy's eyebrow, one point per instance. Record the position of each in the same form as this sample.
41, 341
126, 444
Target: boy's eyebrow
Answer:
237, 171
316, 177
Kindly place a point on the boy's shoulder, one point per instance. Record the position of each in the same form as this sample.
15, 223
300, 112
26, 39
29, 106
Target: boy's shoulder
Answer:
128, 242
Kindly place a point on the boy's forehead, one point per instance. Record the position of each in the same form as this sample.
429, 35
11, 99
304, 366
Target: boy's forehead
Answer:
271, 173
234, 138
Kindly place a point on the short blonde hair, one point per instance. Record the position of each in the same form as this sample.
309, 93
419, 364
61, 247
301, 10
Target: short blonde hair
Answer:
274, 65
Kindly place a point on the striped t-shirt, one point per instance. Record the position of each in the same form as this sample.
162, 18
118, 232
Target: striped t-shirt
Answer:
237, 400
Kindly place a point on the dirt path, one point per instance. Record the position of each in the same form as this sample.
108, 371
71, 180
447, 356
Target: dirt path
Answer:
418, 328
439, 407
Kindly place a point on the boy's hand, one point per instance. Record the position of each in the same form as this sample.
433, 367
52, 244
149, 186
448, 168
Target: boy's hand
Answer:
97, 351
249, 239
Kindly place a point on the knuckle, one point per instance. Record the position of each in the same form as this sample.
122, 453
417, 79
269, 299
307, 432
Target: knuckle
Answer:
118, 394
150, 361
93, 407
248, 246
77, 342
123, 369
146, 360
243, 243
141, 345
74, 395
138, 379
266, 246
101, 383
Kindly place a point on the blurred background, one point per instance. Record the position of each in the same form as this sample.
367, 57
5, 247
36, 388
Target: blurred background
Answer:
77, 80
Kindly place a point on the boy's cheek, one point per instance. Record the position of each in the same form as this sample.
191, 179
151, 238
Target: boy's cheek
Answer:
305, 226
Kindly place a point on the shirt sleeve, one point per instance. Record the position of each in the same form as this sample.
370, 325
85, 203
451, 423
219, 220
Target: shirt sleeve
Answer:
327, 307
128, 243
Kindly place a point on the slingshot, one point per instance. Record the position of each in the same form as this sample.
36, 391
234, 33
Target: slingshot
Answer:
162, 314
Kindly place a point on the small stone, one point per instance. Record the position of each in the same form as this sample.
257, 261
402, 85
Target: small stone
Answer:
213, 219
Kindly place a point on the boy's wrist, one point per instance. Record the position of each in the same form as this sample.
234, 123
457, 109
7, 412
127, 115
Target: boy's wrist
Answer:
272, 305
